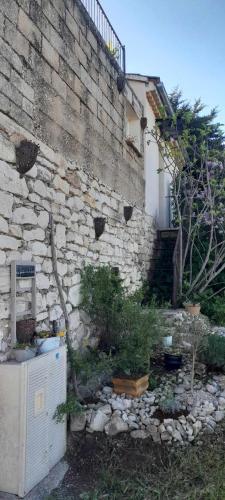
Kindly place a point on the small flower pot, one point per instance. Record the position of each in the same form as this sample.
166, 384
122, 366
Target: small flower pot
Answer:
48, 344
167, 341
130, 386
24, 354
172, 361
193, 309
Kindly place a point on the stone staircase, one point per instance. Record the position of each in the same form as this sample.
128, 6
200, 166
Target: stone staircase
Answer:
161, 264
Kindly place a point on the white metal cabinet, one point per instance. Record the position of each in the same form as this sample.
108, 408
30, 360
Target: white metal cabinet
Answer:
31, 442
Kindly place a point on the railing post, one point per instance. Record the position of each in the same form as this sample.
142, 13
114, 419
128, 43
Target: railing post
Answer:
124, 59
107, 32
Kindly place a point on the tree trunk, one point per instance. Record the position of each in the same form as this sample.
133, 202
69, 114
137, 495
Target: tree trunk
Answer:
177, 274
193, 369
63, 306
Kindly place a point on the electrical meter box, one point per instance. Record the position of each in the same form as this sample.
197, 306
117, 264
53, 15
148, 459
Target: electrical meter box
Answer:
31, 442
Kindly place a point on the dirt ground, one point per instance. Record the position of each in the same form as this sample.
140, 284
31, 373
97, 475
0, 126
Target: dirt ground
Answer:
124, 468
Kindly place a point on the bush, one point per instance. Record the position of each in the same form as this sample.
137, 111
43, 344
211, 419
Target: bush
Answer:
140, 332
128, 330
71, 407
214, 308
213, 352
102, 296
91, 363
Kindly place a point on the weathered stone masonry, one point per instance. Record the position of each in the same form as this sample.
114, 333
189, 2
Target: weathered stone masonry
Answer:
58, 88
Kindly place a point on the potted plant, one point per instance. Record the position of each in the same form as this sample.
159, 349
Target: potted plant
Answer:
133, 359
24, 352
173, 359
192, 307
46, 341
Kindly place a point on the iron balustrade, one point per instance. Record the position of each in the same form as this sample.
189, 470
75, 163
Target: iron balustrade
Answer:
104, 27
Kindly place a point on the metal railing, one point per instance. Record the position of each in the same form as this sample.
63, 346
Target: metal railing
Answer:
104, 27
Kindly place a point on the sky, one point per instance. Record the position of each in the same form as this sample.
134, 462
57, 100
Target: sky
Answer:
182, 41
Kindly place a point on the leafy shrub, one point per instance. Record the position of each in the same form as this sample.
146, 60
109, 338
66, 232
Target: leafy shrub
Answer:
91, 363
213, 352
71, 407
127, 329
168, 403
140, 332
170, 406
102, 296
214, 307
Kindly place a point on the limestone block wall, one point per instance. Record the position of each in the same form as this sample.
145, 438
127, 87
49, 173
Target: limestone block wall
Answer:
58, 89
58, 81
74, 197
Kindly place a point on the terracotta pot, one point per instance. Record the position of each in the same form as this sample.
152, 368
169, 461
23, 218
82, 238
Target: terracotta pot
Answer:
131, 387
193, 309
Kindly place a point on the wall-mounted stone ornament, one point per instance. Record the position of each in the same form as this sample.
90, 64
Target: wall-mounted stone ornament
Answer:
127, 211
26, 155
99, 224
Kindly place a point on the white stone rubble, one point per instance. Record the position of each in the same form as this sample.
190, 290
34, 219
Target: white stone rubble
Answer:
196, 413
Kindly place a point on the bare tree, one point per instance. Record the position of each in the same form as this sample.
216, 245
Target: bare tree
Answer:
198, 194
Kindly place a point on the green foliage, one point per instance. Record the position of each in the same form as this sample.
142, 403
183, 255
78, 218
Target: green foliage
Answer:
90, 363
158, 291
22, 346
141, 330
138, 470
168, 402
102, 295
154, 382
71, 407
169, 405
200, 128
214, 307
174, 351
213, 352
128, 330
197, 193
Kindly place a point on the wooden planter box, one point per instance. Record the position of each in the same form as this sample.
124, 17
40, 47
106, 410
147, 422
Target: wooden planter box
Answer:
131, 387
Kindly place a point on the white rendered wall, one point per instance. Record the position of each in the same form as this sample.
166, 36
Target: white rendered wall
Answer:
157, 186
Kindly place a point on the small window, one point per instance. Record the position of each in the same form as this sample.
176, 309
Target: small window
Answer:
133, 129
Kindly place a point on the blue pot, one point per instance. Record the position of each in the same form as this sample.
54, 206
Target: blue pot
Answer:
172, 361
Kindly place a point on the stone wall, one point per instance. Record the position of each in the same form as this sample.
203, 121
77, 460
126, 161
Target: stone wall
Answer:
58, 81
58, 89
74, 197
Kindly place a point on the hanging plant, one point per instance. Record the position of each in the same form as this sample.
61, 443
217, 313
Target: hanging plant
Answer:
26, 155
99, 224
128, 211
144, 122
121, 80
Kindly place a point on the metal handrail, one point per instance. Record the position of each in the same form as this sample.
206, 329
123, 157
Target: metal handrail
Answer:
106, 30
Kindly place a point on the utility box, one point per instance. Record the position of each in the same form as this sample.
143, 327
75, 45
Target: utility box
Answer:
31, 442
